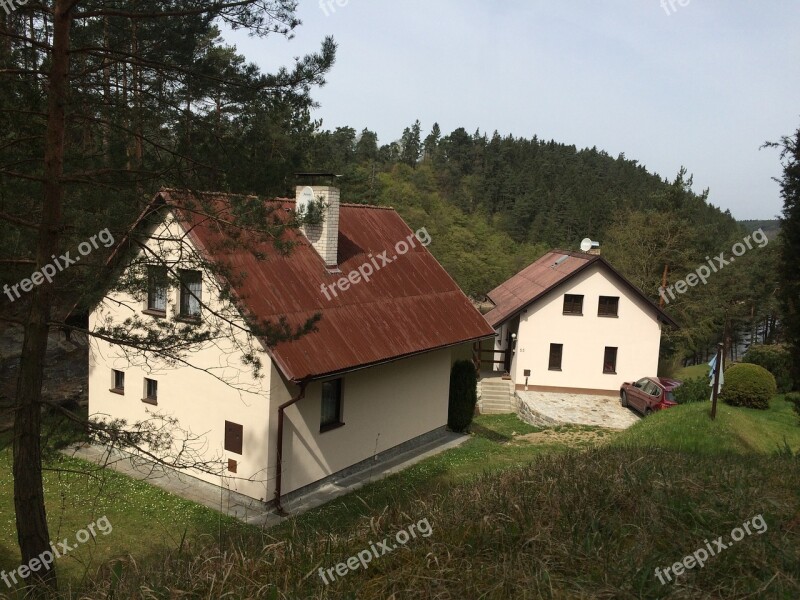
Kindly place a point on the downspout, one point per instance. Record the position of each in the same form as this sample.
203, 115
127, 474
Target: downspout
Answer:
279, 454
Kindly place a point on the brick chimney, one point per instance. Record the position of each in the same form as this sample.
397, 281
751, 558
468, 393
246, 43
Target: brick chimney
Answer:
323, 237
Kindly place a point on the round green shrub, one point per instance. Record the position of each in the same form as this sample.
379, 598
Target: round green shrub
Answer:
776, 359
748, 385
463, 395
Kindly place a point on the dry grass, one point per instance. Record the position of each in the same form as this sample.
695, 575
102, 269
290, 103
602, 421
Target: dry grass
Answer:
570, 525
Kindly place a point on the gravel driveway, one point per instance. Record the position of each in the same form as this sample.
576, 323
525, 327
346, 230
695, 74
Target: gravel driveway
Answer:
552, 408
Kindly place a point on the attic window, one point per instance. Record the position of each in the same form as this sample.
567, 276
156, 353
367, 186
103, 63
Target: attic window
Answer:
608, 306
157, 289
191, 294
573, 304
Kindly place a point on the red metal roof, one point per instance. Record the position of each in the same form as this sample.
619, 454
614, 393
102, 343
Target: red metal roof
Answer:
550, 271
409, 306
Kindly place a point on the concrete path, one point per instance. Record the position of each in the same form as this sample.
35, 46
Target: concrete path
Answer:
247, 509
550, 409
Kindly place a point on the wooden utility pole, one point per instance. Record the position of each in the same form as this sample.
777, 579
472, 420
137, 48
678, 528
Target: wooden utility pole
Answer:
717, 370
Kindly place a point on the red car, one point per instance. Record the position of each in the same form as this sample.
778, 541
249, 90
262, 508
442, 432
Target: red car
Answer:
649, 394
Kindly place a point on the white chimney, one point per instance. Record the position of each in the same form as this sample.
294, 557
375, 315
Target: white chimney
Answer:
325, 236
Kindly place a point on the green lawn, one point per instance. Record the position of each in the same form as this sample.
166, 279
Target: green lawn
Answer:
688, 428
145, 519
516, 511
561, 523
692, 372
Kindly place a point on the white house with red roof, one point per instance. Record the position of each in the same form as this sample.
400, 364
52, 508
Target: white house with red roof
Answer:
372, 378
572, 323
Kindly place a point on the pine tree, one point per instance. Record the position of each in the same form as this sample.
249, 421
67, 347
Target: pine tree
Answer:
108, 100
790, 245
412, 145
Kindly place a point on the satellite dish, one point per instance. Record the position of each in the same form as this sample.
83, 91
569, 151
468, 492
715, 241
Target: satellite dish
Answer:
305, 198
586, 244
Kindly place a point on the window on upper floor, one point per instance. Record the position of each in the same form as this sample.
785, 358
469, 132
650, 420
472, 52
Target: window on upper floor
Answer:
573, 304
157, 284
608, 306
191, 293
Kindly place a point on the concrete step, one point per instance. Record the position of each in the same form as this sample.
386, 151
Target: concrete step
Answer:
497, 404
496, 411
495, 386
496, 395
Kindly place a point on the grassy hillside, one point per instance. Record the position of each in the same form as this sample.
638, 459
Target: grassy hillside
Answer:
581, 523
570, 525
688, 429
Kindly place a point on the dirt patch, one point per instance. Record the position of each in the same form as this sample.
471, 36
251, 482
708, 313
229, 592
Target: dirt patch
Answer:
65, 373
571, 437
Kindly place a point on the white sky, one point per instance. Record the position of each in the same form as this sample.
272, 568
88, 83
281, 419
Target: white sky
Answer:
703, 86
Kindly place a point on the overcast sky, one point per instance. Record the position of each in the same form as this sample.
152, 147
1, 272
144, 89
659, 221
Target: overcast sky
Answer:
702, 85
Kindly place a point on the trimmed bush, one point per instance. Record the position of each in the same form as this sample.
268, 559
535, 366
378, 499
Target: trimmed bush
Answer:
463, 395
794, 398
748, 385
776, 359
696, 389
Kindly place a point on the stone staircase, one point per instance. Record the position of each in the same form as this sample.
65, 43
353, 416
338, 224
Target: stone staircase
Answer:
496, 396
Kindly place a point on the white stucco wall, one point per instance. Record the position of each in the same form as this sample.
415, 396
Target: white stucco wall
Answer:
635, 332
200, 401
382, 407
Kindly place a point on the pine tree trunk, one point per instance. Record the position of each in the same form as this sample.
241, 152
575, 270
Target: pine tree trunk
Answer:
32, 531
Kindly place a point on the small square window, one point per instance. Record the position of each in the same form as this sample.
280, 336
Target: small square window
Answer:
234, 434
331, 405
610, 361
157, 289
556, 352
117, 381
150, 391
573, 304
608, 306
232, 466
191, 294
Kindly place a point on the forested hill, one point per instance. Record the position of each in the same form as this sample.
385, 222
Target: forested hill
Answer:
497, 203
494, 204
537, 191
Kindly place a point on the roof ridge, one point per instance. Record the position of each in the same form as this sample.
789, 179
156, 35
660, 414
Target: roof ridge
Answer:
268, 199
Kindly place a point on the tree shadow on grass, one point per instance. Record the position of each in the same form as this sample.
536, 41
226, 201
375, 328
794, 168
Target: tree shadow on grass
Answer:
489, 434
